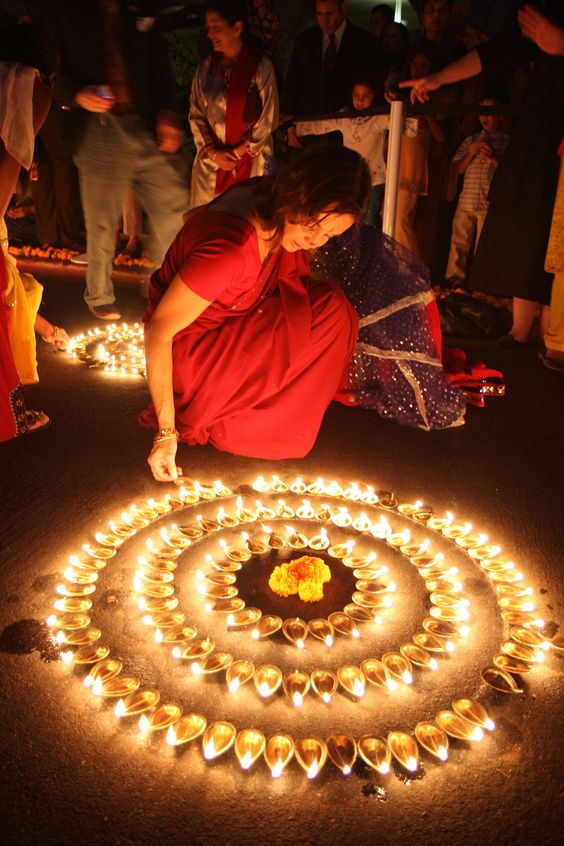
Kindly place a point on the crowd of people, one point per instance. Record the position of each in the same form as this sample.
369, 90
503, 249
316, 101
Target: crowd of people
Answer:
236, 291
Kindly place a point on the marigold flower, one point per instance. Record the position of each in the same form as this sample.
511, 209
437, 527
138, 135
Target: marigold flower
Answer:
305, 576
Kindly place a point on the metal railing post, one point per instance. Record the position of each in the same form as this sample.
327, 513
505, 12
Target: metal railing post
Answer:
392, 169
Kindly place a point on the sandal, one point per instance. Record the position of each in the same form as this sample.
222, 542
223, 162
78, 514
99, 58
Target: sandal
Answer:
35, 420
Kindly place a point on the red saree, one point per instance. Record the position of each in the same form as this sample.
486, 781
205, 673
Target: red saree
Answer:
238, 86
254, 374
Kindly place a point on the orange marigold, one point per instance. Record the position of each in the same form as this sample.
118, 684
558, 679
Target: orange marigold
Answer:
304, 576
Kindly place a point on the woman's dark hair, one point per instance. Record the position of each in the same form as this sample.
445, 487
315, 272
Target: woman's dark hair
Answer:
320, 178
28, 45
230, 10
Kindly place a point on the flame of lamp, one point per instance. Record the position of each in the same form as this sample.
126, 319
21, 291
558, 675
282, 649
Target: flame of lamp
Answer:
278, 753
238, 674
249, 745
311, 754
352, 680
267, 626
268, 679
404, 749
433, 739
218, 738
343, 624
376, 753
137, 703
295, 630
458, 727
375, 673
322, 630
188, 728
398, 667
475, 713
342, 751
296, 685
324, 684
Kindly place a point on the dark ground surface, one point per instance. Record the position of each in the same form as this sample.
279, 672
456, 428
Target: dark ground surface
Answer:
70, 774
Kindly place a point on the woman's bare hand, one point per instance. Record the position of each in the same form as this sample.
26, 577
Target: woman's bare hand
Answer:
546, 35
162, 461
421, 88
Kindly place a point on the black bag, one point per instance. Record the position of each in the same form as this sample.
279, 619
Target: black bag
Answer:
469, 317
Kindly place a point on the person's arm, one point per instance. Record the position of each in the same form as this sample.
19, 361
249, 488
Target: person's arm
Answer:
258, 134
178, 308
317, 127
545, 34
465, 67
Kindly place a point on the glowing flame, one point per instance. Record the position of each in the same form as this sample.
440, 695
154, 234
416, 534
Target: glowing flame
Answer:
264, 689
209, 749
326, 698
234, 685
300, 643
355, 632
391, 684
158, 636
358, 688
196, 668
119, 710
312, 770
297, 699
143, 723
328, 640
277, 769
384, 768
88, 681
477, 734
171, 736
411, 765
97, 687
246, 760
490, 725
255, 634
442, 753
66, 657
407, 677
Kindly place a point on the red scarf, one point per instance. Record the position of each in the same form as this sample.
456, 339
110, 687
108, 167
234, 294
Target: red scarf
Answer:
235, 124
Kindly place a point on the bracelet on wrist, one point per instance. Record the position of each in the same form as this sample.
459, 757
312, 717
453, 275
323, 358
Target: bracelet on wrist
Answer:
165, 435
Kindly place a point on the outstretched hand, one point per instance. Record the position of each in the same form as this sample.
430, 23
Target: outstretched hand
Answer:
162, 461
421, 88
545, 34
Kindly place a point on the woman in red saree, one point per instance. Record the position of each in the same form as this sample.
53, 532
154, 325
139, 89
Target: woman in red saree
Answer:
244, 350
233, 106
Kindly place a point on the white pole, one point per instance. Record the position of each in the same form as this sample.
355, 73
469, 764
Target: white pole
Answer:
392, 169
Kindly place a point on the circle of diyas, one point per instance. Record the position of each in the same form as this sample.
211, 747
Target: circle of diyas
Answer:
114, 348
524, 646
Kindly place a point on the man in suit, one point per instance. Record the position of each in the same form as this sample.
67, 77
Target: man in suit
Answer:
323, 63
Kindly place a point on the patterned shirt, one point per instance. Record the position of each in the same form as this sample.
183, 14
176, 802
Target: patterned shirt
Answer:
479, 173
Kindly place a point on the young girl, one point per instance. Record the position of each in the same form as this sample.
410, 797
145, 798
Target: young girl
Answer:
365, 134
420, 136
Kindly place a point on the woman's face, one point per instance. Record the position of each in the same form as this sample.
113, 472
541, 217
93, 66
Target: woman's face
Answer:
314, 234
435, 18
225, 38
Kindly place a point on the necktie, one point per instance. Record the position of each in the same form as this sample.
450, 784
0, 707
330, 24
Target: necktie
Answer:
330, 56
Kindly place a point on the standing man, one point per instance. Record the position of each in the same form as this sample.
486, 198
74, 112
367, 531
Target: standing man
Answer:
116, 80
323, 63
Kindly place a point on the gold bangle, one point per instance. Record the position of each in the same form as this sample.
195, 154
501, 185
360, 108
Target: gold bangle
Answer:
236, 154
165, 435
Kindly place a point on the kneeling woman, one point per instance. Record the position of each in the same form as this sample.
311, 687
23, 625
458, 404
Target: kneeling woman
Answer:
244, 349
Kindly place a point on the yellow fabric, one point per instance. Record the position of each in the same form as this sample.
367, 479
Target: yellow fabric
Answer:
23, 296
554, 262
554, 336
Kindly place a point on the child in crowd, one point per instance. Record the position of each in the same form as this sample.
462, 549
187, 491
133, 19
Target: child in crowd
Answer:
421, 146
365, 134
476, 158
